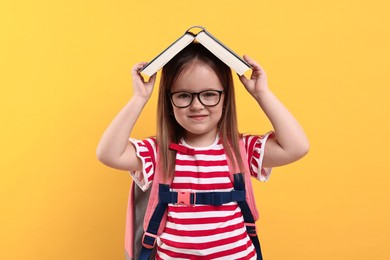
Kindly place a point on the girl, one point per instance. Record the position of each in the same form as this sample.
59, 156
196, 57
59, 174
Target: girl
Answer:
196, 110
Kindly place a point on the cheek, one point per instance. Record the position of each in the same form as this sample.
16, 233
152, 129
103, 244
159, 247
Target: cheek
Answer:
177, 113
220, 114
217, 112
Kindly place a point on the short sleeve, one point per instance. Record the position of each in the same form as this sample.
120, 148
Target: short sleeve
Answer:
254, 146
146, 151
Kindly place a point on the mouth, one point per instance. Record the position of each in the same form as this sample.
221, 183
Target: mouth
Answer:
197, 117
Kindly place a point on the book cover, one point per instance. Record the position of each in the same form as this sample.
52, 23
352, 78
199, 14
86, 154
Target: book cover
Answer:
220, 50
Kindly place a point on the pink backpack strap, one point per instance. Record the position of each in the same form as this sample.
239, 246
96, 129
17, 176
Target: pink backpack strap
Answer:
153, 199
250, 198
155, 208
129, 233
242, 181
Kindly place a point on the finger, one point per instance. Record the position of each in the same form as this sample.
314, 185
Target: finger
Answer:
243, 79
138, 67
250, 61
256, 67
152, 79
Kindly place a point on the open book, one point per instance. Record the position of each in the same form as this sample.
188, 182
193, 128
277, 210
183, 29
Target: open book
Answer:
220, 50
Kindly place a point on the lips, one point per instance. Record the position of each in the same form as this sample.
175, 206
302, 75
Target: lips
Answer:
197, 117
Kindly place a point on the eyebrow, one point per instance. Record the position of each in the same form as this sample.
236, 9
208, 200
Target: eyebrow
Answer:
190, 91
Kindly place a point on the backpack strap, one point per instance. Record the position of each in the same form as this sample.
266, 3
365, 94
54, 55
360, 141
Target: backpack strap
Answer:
161, 196
248, 206
155, 222
250, 222
201, 198
156, 214
129, 234
250, 198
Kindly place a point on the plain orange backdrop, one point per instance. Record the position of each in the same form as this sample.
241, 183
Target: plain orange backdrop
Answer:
65, 73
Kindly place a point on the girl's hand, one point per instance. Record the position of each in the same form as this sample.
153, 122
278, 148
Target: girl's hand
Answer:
257, 84
140, 87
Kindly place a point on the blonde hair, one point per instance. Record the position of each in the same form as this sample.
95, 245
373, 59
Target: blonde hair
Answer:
169, 131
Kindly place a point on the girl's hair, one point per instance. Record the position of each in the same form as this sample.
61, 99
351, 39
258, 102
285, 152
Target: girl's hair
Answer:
169, 131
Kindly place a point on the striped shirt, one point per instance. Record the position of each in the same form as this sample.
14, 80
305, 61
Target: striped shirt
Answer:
203, 231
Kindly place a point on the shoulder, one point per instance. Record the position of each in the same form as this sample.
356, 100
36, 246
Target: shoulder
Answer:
254, 146
147, 143
146, 147
255, 143
250, 140
145, 151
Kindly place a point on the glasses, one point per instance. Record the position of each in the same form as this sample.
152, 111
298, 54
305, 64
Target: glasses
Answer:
208, 98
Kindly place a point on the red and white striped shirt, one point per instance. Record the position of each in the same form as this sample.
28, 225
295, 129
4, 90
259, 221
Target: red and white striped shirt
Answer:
203, 231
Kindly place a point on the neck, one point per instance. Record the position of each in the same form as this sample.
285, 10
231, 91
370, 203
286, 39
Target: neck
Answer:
202, 140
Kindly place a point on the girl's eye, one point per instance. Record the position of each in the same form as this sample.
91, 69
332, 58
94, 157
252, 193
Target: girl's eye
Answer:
184, 95
210, 94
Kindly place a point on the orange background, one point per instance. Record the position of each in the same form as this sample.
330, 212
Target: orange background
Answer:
65, 73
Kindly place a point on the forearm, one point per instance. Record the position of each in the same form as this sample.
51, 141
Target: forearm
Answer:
290, 143
115, 139
289, 134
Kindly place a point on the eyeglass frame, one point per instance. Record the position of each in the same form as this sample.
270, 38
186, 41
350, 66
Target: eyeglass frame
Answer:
220, 92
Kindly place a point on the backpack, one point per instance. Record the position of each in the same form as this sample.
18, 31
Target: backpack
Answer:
146, 211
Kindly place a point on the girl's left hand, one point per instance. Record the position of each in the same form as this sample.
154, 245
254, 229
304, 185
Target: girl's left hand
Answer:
257, 84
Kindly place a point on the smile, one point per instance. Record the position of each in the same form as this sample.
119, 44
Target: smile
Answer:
198, 117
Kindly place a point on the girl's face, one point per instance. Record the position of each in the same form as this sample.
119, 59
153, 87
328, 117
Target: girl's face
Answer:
199, 120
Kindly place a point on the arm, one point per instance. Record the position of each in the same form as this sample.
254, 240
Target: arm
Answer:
290, 143
114, 149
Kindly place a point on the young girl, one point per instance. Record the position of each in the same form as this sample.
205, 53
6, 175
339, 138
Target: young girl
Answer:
197, 111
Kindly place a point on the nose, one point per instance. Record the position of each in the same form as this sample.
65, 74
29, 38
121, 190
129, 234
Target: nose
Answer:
196, 102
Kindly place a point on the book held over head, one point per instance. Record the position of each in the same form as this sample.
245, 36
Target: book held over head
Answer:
229, 57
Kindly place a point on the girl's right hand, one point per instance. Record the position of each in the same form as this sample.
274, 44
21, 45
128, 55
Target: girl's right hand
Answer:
140, 87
